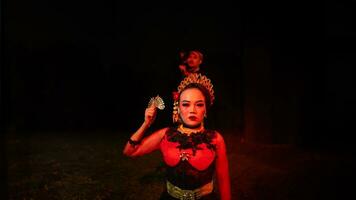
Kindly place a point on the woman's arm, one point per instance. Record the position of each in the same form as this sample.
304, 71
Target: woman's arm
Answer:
222, 169
149, 143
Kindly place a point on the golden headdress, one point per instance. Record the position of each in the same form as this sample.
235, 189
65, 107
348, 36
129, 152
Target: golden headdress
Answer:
194, 78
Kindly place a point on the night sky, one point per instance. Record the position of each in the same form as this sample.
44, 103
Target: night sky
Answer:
282, 72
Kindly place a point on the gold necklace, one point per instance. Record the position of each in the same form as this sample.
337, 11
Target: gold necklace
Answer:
189, 131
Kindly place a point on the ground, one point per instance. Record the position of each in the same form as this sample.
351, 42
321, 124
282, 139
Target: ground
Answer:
79, 166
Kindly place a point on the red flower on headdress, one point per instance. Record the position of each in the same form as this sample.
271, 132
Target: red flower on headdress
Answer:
175, 96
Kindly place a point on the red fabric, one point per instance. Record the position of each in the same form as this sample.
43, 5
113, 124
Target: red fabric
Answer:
171, 155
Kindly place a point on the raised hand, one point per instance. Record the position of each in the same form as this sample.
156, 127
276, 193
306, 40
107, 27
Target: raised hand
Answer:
150, 114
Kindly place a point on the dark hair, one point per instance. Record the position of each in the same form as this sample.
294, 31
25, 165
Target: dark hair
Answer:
202, 90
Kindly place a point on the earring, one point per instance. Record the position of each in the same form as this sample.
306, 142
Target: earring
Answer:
175, 115
205, 115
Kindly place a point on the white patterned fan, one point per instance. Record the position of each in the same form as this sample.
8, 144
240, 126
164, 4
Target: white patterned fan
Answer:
157, 101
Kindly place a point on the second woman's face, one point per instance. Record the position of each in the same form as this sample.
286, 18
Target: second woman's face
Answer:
192, 107
194, 60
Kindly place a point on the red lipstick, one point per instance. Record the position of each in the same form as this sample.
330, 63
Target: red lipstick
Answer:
193, 118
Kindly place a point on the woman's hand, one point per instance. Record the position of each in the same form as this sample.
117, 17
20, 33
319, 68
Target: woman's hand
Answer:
183, 69
150, 114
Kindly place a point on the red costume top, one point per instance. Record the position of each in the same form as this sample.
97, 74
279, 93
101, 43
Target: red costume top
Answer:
198, 149
190, 159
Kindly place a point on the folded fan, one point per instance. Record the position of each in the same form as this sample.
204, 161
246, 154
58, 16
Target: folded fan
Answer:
157, 102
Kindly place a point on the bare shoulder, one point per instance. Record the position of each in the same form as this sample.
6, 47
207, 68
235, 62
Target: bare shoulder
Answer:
219, 137
160, 132
220, 143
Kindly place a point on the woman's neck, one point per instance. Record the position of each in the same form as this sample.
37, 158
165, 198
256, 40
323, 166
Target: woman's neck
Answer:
193, 69
189, 130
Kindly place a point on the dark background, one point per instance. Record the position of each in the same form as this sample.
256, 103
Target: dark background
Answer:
283, 73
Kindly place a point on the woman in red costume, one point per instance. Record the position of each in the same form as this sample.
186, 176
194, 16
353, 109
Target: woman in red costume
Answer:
193, 154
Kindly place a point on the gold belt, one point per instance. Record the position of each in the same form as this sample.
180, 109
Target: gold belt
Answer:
181, 194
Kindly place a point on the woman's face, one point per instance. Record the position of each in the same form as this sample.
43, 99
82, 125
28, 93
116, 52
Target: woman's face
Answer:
194, 60
192, 107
